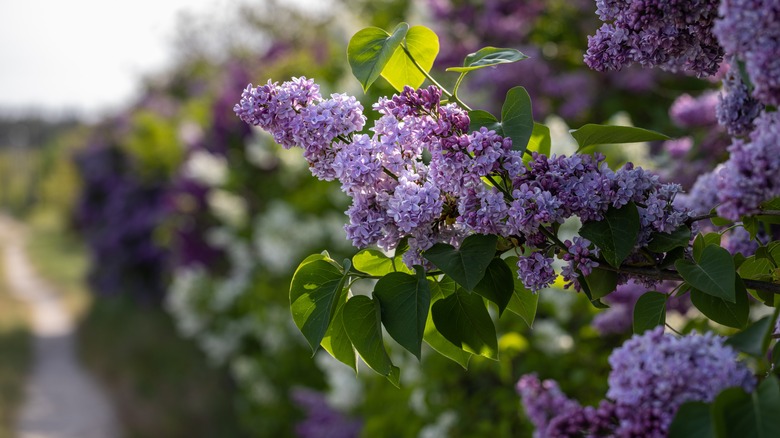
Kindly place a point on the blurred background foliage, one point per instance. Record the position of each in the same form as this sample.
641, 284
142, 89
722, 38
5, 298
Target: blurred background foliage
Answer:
174, 229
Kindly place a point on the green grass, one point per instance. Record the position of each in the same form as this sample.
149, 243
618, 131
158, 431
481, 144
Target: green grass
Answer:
15, 354
160, 383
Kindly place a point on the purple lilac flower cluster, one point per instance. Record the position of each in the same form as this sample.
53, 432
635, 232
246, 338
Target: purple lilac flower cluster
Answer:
397, 194
694, 112
322, 421
652, 375
543, 401
675, 36
736, 108
749, 30
752, 173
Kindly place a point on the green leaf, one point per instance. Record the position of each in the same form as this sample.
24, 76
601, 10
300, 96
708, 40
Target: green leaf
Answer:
370, 50
432, 337
374, 262
540, 140
405, 300
314, 293
488, 56
664, 242
498, 284
601, 283
752, 339
362, 323
523, 302
480, 118
463, 319
649, 311
592, 134
693, 420
336, 341
721, 311
739, 414
702, 241
467, 264
423, 44
517, 118
616, 234
756, 269
713, 274
772, 204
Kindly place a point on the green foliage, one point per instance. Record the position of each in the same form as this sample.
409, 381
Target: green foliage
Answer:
731, 314
616, 234
463, 319
315, 289
370, 49
693, 420
517, 118
737, 413
362, 321
422, 46
540, 140
523, 302
374, 262
712, 274
649, 311
592, 134
498, 284
664, 242
488, 57
467, 264
405, 300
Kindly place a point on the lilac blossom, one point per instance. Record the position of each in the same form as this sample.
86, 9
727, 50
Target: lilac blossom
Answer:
543, 401
748, 30
536, 271
692, 112
470, 182
322, 421
654, 373
752, 173
579, 257
736, 108
675, 36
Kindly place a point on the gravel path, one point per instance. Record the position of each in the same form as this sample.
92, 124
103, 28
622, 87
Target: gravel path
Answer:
62, 400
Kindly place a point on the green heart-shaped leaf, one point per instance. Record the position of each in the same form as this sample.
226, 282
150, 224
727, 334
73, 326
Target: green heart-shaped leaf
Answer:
314, 293
463, 319
649, 311
405, 300
362, 322
713, 274
616, 234
423, 45
370, 50
467, 264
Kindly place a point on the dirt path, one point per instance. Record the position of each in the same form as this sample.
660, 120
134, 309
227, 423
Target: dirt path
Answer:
62, 400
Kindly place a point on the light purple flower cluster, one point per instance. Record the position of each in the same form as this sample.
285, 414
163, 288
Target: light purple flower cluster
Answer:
543, 401
652, 375
694, 112
736, 108
322, 421
296, 115
752, 173
672, 35
422, 176
750, 30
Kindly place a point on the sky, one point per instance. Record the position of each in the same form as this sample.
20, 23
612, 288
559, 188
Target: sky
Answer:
84, 56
